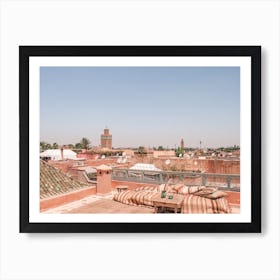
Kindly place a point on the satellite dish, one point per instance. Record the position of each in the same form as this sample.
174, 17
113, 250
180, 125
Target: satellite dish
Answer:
103, 156
167, 162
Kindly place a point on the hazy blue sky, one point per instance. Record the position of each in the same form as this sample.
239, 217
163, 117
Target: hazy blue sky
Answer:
142, 106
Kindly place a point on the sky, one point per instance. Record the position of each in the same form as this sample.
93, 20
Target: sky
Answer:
142, 106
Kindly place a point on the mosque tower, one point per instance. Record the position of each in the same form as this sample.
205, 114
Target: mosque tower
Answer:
182, 144
106, 139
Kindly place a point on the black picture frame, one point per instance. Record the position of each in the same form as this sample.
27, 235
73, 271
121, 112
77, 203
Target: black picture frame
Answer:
253, 52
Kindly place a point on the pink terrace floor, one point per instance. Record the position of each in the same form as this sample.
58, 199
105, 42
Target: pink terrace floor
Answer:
103, 204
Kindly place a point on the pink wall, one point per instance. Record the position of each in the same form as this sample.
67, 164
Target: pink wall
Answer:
53, 202
207, 165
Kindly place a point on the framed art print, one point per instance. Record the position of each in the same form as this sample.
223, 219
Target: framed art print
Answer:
140, 138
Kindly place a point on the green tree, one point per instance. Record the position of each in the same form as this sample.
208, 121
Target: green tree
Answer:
55, 146
179, 152
85, 143
45, 146
141, 150
42, 146
78, 146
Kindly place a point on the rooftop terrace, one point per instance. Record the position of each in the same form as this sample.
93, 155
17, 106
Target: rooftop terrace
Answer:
74, 196
104, 204
99, 204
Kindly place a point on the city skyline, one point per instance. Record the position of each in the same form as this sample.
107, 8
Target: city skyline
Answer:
142, 106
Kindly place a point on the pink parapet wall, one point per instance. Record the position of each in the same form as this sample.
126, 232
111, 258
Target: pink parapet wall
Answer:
59, 200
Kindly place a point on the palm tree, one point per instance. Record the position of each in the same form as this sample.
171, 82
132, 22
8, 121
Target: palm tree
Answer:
85, 143
55, 146
44, 146
141, 150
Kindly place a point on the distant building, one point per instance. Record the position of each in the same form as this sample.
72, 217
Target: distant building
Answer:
182, 144
106, 139
144, 166
58, 154
164, 154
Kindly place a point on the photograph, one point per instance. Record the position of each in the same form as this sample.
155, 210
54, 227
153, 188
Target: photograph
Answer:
140, 140
121, 137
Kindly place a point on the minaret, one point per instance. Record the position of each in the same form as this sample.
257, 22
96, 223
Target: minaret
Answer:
106, 139
182, 144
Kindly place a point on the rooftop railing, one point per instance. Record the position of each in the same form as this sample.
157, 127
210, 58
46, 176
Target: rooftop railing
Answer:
221, 181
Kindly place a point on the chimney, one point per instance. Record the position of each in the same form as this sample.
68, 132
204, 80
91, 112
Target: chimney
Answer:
61, 150
104, 179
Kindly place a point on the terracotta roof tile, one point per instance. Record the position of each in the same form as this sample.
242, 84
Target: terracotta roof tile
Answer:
55, 182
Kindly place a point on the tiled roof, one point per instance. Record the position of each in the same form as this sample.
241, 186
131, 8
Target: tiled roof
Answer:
54, 182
